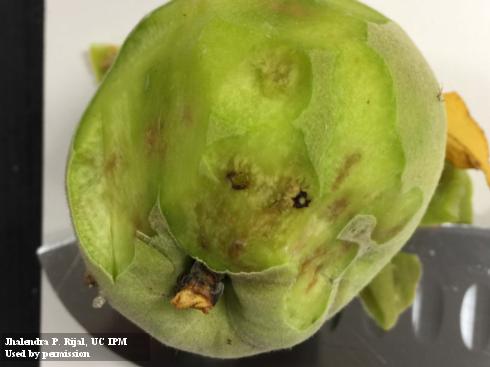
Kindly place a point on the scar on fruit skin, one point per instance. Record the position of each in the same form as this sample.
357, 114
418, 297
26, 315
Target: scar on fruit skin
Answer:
344, 172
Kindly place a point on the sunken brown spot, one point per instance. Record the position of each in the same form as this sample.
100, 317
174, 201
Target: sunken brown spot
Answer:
336, 208
345, 170
238, 180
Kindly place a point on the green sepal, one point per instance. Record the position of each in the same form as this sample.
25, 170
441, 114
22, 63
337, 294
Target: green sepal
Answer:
102, 57
392, 291
452, 201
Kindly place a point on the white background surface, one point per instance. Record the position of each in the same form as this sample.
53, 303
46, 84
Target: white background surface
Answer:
454, 36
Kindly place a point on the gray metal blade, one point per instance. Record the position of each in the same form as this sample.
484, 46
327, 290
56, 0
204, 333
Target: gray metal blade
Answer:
449, 324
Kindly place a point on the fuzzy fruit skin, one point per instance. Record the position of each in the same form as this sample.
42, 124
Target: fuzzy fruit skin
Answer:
215, 120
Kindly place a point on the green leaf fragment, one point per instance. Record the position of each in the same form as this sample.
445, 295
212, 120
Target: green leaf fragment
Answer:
452, 201
392, 291
102, 57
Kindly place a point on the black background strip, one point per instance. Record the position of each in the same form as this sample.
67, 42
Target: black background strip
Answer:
21, 66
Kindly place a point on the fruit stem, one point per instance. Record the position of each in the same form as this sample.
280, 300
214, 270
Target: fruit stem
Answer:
200, 289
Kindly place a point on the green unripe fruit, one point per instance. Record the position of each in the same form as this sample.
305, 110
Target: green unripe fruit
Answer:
291, 146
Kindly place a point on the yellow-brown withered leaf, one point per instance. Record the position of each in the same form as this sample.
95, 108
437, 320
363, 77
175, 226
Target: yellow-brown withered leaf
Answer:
467, 146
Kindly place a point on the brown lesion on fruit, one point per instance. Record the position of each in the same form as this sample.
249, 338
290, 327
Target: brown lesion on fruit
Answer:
238, 180
314, 278
337, 208
112, 163
274, 78
199, 289
312, 267
282, 195
236, 248
277, 71
202, 241
291, 8
349, 162
153, 142
187, 115
309, 262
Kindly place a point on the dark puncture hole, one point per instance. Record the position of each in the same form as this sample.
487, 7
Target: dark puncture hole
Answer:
238, 180
301, 200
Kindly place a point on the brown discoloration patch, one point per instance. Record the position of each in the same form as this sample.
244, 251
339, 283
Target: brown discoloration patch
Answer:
317, 255
187, 115
298, 247
154, 144
111, 164
315, 277
305, 265
292, 9
312, 283
345, 170
336, 208
203, 241
236, 249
